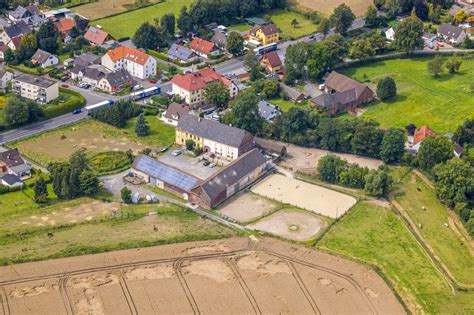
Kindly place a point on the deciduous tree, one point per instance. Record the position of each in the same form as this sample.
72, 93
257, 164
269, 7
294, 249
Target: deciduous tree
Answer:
217, 95
393, 144
386, 89
342, 18
434, 150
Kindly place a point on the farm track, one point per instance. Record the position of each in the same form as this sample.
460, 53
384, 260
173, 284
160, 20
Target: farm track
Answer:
229, 258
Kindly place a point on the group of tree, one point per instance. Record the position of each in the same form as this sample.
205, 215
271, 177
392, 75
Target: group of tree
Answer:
155, 36
314, 59
266, 88
118, 113
409, 34
437, 64
203, 12
335, 170
368, 45
235, 43
20, 111
40, 190
244, 113
74, 178
217, 95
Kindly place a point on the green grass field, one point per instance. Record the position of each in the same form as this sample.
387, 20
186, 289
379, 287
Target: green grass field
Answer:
161, 134
125, 24
286, 105
444, 241
442, 103
377, 236
283, 18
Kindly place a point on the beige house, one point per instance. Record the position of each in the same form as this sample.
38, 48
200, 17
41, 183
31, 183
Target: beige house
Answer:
38, 89
5, 77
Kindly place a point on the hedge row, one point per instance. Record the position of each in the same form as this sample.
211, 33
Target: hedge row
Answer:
75, 101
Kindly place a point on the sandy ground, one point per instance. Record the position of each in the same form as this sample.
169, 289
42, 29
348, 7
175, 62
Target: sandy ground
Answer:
306, 196
233, 276
295, 225
306, 159
359, 7
247, 207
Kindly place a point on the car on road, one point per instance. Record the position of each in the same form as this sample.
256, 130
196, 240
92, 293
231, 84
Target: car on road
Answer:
76, 111
212, 165
152, 81
64, 79
84, 85
66, 86
136, 87
206, 163
176, 152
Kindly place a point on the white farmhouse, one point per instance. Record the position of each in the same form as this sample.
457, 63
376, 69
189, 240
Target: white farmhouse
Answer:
136, 62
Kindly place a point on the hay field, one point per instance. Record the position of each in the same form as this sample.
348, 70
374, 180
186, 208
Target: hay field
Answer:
104, 8
306, 196
236, 275
359, 7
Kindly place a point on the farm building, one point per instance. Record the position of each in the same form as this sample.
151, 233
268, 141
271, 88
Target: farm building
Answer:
164, 176
230, 180
270, 147
414, 142
213, 137
174, 112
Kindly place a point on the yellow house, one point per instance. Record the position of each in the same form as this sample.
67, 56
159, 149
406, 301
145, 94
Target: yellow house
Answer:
266, 34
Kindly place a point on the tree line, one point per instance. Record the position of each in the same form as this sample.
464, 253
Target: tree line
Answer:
118, 113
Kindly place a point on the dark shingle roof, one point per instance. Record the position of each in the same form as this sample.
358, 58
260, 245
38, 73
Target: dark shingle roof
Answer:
34, 80
176, 111
340, 83
219, 39
450, 31
179, 52
11, 158
11, 179
233, 173
17, 29
41, 56
118, 78
213, 130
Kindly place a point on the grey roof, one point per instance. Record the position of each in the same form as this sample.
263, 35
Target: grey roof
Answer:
165, 173
450, 31
94, 73
34, 80
41, 56
22, 12
233, 173
267, 111
291, 93
219, 39
176, 111
454, 9
256, 21
11, 158
118, 77
458, 149
78, 68
86, 59
338, 98
17, 29
21, 168
179, 52
270, 145
11, 179
213, 130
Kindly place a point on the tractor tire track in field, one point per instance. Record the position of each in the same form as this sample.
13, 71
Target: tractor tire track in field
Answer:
4, 301
177, 266
68, 305
127, 295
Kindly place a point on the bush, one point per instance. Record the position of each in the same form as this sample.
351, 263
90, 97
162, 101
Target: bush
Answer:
386, 89
75, 101
190, 144
330, 167
106, 163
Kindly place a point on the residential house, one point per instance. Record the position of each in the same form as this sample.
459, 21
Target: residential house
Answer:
11, 162
342, 94
256, 21
164, 176
454, 10
451, 33
230, 180
86, 59
44, 59
390, 34
16, 30
97, 36
3, 48
174, 112
14, 43
115, 81
35, 88
5, 78
272, 62
265, 34
213, 137
271, 147
136, 62
29, 15
11, 180
292, 94
64, 26
220, 40
414, 142
268, 111
191, 86
180, 53
90, 74
458, 151
203, 48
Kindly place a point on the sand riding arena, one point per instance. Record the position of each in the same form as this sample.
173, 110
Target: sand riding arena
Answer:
233, 276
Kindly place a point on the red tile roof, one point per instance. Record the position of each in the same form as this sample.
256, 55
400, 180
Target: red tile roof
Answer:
124, 52
198, 80
272, 59
422, 133
16, 41
202, 46
96, 36
65, 25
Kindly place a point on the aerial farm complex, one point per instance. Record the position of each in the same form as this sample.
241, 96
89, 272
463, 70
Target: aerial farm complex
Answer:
236, 157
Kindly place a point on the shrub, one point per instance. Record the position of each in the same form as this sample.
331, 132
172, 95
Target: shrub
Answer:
386, 89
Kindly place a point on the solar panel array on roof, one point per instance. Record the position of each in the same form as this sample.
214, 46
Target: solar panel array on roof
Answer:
165, 173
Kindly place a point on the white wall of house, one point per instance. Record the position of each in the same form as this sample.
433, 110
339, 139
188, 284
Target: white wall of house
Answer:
190, 97
220, 149
51, 61
104, 85
37, 93
7, 77
135, 69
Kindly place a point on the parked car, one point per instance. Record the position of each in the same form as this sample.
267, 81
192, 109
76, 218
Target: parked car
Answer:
76, 111
152, 81
212, 165
64, 79
206, 163
136, 87
66, 86
176, 152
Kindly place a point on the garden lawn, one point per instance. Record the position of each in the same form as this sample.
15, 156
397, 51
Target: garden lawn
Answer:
161, 135
443, 240
377, 236
283, 18
442, 103
242, 27
125, 24
285, 105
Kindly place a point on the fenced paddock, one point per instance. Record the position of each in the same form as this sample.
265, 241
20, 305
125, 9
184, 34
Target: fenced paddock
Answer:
306, 196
